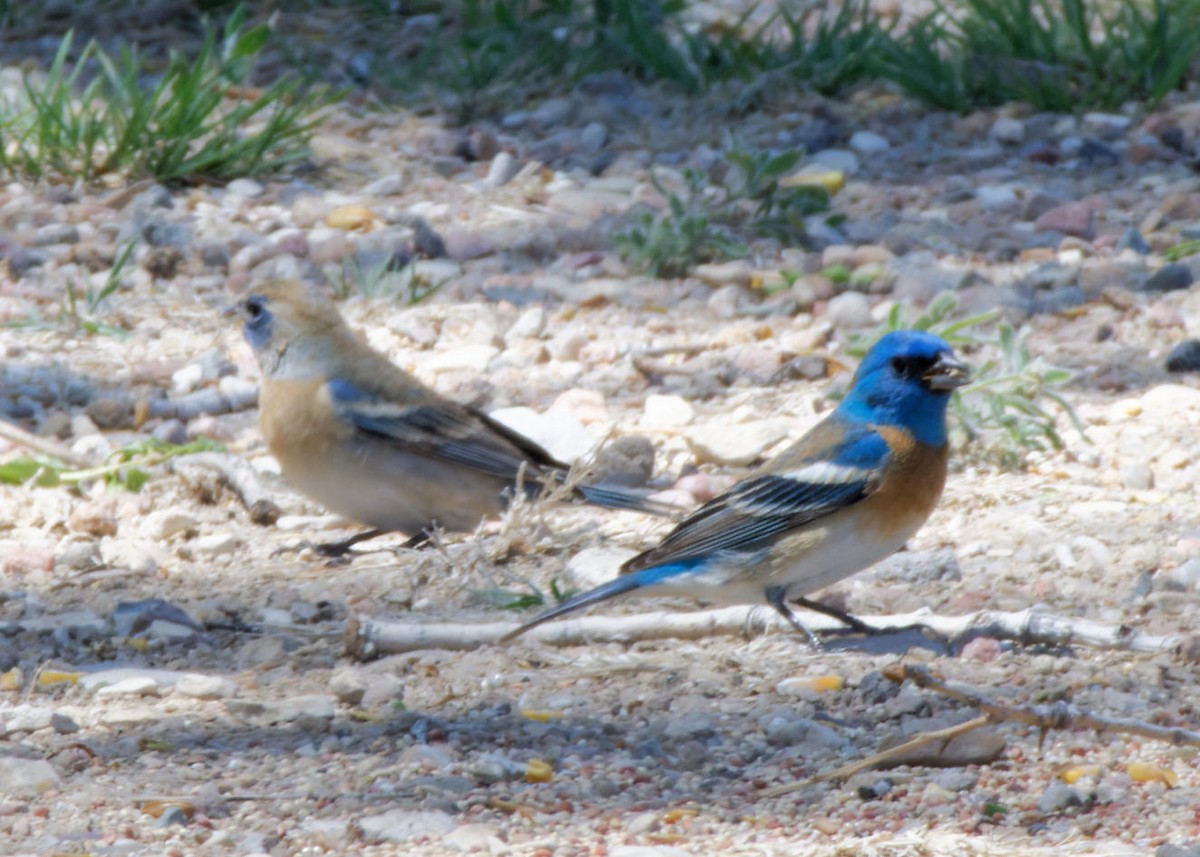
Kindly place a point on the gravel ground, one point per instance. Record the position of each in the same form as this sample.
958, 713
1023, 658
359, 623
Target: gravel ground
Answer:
127, 731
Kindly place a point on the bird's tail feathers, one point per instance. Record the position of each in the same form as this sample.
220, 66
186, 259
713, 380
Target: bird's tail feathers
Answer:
612, 589
632, 499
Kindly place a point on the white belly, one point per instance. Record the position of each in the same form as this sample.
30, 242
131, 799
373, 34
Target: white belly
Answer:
811, 560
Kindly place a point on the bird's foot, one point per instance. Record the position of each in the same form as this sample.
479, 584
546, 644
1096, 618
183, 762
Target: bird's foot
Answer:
857, 634
336, 552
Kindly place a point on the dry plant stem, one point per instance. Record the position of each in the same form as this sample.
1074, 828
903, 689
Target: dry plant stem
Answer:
1056, 715
367, 638
873, 761
44, 446
237, 474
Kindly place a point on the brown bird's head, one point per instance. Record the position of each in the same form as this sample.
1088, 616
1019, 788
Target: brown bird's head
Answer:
289, 325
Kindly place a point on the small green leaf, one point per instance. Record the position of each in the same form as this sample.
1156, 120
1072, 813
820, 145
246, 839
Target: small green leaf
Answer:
249, 43
20, 470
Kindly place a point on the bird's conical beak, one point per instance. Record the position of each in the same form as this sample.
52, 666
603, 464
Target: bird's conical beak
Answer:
948, 373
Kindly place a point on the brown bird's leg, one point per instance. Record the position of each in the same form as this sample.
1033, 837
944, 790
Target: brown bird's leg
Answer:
341, 548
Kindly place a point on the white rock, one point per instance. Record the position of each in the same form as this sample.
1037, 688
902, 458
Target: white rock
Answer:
164, 523
26, 777
667, 411
309, 707
201, 686
557, 431
528, 324
132, 686
24, 718
248, 188
849, 309
141, 556
868, 143
307, 523
1008, 130
592, 566
648, 850
735, 273
834, 159
401, 825
1107, 121
724, 302
567, 343
215, 544
471, 357
431, 272
719, 444
475, 837
1186, 575
187, 379
349, 685
163, 629
138, 676
502, 169
386, 186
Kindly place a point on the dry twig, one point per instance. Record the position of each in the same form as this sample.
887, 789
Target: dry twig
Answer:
1056, 715
234, 472
368, 638
43, 445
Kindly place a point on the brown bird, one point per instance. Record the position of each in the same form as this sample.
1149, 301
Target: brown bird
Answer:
365, 439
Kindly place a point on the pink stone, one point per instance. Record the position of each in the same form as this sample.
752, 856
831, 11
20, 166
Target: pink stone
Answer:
982, 649
26, 560
1073, 218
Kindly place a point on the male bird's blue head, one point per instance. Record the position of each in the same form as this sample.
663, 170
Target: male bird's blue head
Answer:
906, 380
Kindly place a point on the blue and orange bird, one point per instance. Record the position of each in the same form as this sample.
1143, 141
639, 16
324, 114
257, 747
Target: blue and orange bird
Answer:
850, 492
365, 439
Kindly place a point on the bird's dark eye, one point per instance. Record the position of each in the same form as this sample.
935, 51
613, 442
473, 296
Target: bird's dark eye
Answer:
910, 367
254, 308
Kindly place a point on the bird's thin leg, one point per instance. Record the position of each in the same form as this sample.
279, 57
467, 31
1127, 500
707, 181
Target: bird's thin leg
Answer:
341, 548
419, 541
842, 616
776, 597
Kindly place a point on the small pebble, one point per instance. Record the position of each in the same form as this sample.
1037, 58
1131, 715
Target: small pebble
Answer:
1184, 357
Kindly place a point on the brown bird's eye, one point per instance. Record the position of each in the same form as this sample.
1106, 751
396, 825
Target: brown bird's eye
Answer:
254, 308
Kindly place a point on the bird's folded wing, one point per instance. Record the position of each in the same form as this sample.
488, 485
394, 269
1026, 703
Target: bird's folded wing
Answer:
825, 472
441, 429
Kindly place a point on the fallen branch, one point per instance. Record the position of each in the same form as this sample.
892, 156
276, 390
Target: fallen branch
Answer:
235, 473
43, 445
368, 638
1055, 715
208, 400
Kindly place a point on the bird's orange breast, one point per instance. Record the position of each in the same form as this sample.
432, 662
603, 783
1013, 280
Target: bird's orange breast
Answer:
911, 486
298, 419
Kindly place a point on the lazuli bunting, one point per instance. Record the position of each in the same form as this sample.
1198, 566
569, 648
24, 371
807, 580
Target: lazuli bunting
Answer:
368, 441
850, 492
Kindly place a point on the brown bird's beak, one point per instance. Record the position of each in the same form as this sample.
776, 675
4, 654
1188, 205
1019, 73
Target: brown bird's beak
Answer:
947, 373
